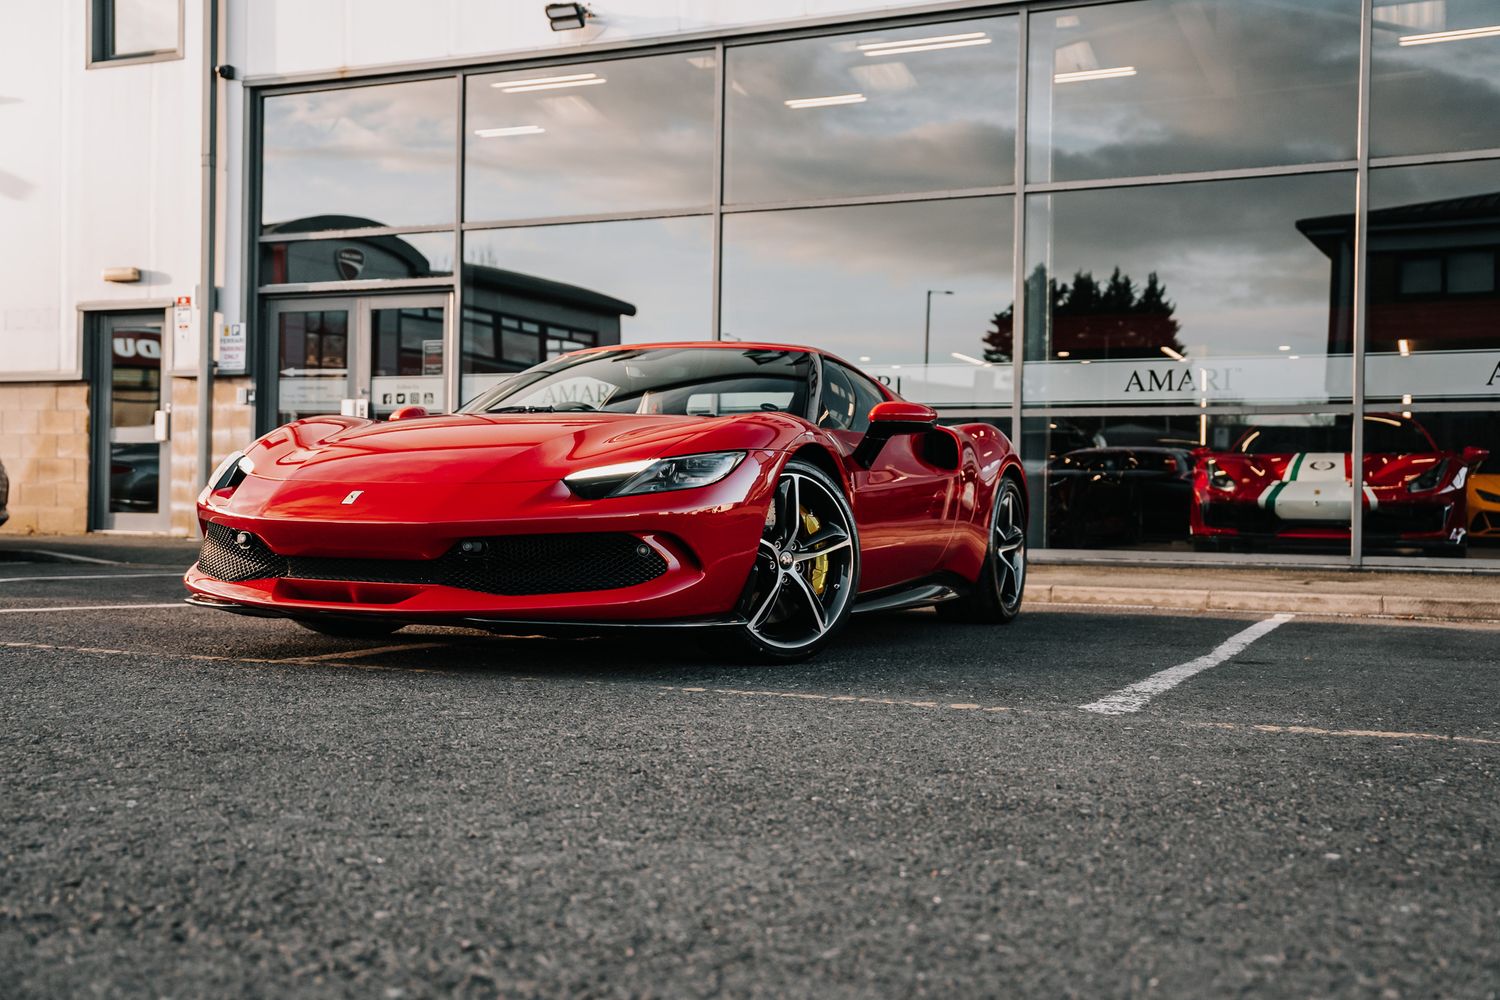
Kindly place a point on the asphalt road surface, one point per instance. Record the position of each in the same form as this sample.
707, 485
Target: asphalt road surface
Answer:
194, 804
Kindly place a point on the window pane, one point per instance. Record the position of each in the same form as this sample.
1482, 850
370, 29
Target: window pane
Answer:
1210, 482
929, 108
1434, 478
415, 255
1217, 292
1434, 313
406, 359
625, 135
1434, 76
139, 27
537, 292
1169, 86
860, 281
362, 156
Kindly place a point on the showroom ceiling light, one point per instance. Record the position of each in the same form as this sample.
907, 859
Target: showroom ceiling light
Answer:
1432, 38
930, 44
799, 103
1174, 355
549, 83
1084, 75
969, 359
499, 133
566, 16
1404, 346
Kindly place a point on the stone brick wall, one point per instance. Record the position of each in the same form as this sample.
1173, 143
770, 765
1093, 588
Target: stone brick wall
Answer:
44, 443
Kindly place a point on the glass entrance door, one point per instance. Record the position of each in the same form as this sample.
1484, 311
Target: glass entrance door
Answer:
130, 421
359, 356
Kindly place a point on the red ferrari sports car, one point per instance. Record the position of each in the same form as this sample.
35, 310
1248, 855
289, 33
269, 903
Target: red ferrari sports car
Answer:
761, 490
1291, 483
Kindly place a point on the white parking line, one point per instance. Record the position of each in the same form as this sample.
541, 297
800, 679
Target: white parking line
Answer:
89, 576
1134, 698
90, 607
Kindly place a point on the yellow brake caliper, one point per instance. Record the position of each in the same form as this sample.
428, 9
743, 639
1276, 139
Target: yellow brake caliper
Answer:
819, 575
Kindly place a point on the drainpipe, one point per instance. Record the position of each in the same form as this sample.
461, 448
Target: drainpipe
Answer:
206, 282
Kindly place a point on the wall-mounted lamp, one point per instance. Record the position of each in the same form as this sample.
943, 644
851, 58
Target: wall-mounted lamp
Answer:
567, 16
122, 275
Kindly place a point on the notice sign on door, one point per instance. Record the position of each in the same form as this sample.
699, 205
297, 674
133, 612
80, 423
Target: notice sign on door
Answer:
184, 334
432, 357
232, 349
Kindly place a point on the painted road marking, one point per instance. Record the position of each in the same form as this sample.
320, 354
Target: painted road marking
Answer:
350, 654
1134, 698
90, 607
783, 696
89, 576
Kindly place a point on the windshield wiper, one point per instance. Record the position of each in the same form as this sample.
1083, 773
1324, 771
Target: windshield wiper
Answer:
571, 406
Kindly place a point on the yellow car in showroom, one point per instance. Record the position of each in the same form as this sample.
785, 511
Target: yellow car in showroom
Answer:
1484, 503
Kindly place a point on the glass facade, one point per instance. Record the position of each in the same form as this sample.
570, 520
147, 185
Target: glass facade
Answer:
1228, 304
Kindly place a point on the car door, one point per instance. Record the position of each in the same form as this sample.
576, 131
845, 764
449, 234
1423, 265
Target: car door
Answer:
903, 502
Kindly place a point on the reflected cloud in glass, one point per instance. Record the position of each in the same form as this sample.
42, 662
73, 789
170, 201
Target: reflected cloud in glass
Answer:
624, 135
1433, 78
911, 109
382, 154
1169, 86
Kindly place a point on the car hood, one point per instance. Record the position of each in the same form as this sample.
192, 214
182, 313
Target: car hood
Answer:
465, 448
1379, 470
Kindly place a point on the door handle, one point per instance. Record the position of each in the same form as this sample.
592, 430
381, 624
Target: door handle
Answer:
161, 427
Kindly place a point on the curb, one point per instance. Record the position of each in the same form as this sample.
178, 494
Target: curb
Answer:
1356, 605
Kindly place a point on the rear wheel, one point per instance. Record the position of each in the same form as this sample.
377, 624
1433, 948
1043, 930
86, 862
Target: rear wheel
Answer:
996, 597
348, 628
801, 589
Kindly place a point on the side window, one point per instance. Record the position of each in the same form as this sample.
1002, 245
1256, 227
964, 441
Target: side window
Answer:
847, 399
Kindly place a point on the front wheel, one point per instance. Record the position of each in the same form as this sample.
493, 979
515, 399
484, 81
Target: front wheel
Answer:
801, 589
996, 597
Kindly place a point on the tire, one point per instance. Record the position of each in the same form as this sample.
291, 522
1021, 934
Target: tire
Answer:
349, 628
801, 589
996, 596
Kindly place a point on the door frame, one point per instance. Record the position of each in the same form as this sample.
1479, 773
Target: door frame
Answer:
100, 327
359, 306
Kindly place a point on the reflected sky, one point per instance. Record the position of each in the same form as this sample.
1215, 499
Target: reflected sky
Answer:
383, 153
855, 280
589, 138
1166, 86
1429, 96
912, 109
1244, 279
661, 266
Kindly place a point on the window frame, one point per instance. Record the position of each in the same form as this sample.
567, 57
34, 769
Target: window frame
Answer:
100, 29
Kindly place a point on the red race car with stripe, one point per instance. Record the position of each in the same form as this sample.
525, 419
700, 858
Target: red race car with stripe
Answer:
1285, 482
759, 490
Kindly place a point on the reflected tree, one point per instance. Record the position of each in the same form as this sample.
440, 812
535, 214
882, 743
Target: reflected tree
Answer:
1090, 320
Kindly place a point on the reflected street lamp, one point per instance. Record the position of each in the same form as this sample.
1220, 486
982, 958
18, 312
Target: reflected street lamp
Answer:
927, 327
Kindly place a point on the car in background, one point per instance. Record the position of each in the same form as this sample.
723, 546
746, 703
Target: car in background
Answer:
1118, 496
1291, 483
1484, 502
4, 494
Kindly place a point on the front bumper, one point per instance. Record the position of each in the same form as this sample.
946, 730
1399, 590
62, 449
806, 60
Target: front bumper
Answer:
699, 546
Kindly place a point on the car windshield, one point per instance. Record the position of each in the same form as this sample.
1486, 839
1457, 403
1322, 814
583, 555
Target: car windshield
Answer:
1383, 436
690, 381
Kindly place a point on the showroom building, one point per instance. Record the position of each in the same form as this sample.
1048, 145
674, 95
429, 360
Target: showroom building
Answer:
1193, 255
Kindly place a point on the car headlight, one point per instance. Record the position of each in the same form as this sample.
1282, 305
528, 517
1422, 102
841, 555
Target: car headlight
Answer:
653, 476
1428, 480
1219, 479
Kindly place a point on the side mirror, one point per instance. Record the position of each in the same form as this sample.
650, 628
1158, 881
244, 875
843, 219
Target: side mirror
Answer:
889, 419
408, 413
1473, 456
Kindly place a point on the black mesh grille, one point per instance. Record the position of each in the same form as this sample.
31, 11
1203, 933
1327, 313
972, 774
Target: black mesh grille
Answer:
221, 559
512, 565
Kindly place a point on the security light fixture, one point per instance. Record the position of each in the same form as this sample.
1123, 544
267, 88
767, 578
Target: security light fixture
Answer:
567, 16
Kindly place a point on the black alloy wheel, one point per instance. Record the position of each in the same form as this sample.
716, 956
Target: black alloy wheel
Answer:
801, 589
996, 597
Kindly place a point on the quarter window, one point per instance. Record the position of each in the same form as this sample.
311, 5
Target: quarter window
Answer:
135, 29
